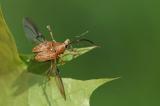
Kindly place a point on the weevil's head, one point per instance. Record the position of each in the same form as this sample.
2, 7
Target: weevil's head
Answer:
67, 42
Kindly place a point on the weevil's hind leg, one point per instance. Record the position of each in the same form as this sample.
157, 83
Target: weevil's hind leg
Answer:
58, 79
51, 33
49, 73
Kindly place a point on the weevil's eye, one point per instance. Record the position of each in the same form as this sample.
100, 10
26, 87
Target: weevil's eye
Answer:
66, 46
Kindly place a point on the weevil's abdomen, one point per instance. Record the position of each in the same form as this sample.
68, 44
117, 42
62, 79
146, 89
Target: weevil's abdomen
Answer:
45, 56
42, 47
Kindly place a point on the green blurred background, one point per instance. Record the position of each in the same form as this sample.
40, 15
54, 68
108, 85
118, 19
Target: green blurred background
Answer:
128, 32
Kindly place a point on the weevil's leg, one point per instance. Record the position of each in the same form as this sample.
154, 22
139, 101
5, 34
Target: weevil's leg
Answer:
58, 78
49, 72
58, 70
51, 33
55, 62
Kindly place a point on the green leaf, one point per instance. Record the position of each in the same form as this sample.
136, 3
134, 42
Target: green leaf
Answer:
20, 87
78, 92
69, 55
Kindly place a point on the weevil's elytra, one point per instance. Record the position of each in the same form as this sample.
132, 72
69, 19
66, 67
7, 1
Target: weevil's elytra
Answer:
48, 50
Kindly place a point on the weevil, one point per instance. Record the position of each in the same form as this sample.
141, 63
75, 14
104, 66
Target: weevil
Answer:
48, 50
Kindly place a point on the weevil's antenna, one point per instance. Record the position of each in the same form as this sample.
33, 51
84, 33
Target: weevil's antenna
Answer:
81, 40
50, 31
82, 34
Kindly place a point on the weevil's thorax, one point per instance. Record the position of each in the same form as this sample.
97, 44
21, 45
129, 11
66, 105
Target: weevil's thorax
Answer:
59, 47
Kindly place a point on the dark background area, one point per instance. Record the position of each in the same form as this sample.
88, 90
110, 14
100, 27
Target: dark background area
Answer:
127, 31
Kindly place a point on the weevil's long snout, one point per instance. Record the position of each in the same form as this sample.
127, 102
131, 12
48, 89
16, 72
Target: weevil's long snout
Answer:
67, 42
